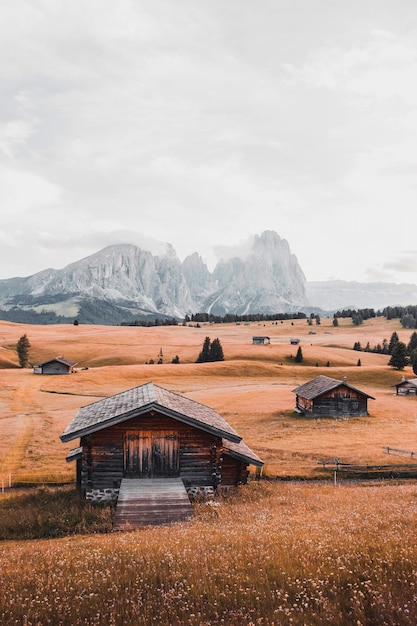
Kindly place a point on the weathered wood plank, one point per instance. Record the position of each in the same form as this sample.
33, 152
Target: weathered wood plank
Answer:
144, 502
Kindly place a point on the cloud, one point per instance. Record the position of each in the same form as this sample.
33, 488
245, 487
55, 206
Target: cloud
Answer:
201, 124
403, 264
381, 68
24, 192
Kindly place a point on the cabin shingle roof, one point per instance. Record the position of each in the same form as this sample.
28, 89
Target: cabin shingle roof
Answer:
142, 399
409, 381
322, 384
60, 359
243, 452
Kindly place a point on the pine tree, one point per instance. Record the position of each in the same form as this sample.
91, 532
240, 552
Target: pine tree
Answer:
399, 357
408, 321
412, 344
413, 360
205, 353
299, 355
211, 351
22, 349
216, 350
393, 342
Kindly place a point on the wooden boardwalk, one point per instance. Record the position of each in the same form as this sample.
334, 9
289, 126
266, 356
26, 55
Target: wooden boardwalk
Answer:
151, 501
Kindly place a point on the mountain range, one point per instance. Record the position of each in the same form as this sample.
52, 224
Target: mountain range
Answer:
124, 282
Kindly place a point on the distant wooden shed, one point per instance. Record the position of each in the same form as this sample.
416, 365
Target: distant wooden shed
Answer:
261, 340
407, 387
58, 365
328, 397
150, 432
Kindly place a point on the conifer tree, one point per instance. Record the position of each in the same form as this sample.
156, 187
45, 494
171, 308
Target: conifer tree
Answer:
413, 360
211, 351
399, 357
204, 355
392, 342
22, 349
412, 344
299, 355
216, 350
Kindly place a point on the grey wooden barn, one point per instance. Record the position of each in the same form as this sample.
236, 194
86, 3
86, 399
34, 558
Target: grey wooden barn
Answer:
58, 365
328, 397
406, 387
150, 432
261, 340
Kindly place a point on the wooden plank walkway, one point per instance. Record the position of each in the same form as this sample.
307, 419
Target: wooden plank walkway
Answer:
151, 501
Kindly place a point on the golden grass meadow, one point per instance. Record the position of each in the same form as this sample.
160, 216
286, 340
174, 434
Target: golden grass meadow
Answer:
292, 548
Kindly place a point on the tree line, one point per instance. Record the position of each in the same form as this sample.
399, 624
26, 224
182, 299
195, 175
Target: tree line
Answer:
401, 354
251, 317
406, 314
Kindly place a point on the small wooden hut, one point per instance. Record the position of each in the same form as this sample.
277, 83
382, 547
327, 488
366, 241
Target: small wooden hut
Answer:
58, 365
328, 397
150, 432
261, 340
406, 387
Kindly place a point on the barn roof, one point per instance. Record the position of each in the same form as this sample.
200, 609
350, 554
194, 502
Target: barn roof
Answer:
242, 452
60, 359
322, 384
407, 381
139, 400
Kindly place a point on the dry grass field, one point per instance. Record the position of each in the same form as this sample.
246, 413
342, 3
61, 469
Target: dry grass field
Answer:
252, 389
273, 554
277, 552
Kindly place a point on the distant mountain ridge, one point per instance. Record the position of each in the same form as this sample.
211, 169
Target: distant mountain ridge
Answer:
138, 283
125, 282
339, 294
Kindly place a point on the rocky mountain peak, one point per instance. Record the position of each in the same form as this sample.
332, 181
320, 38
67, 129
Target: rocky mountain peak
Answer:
268, 279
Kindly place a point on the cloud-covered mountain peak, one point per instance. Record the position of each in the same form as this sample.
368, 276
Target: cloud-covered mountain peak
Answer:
267, 279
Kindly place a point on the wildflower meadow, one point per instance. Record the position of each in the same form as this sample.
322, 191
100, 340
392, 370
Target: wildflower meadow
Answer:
274, 553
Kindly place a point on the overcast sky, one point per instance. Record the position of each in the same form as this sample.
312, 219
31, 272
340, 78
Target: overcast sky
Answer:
203, 122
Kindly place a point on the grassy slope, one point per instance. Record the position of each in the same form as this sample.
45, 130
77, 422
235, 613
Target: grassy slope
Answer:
251, 389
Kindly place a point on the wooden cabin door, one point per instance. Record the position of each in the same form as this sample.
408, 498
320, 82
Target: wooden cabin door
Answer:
137, 453
151, 454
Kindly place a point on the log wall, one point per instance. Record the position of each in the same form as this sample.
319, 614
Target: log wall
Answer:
201, 462
340, 402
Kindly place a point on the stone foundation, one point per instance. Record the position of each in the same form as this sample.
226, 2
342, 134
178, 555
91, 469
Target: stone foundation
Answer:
200, 493
101, 495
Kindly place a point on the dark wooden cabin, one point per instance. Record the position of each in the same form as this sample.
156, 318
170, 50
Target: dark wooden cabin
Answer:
407, 387
58, 365
327, 397
150, 432
261, 340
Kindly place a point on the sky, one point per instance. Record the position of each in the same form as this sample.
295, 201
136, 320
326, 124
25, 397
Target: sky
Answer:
204, 122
